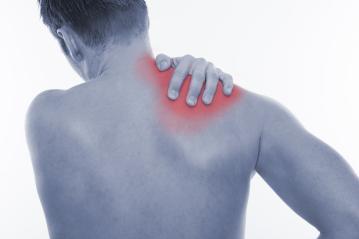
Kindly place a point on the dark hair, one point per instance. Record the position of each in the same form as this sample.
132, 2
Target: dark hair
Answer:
96, 21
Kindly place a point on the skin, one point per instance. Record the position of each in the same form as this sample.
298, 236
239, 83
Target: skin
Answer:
107, 167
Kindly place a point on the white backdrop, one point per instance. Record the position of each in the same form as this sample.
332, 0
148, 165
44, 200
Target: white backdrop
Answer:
304, 54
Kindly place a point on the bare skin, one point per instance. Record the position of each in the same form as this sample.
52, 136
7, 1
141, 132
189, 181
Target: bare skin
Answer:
107, 166
104, 171
113, 173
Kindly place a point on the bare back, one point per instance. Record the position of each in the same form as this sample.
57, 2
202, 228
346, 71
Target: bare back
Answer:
126, 162
117, 170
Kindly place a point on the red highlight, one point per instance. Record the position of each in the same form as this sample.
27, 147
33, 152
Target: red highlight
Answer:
177, 115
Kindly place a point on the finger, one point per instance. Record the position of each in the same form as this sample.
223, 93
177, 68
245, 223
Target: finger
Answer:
198, 78
227, 81
212, 79
176, 61
181, 72
163, 62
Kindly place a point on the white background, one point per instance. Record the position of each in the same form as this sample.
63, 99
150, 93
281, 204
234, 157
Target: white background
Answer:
304, 54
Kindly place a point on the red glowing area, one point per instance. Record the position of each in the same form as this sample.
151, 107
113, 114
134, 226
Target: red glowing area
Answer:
177, 115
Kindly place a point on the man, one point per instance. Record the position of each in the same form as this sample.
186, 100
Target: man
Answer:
115, 158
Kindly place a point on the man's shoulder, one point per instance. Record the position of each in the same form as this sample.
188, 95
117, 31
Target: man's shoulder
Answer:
42, 123
272, 118
47, 97
260, 111
53, 104
253, 106
43, 105
55, 113
46, 115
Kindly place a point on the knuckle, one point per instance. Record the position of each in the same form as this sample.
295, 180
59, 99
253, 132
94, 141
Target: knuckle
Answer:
213, 75
200, 62
210, 66
160, 57
175, 61
163, 55
219, 71
229, 83
180, 73
199, 69
188, 57
228, 79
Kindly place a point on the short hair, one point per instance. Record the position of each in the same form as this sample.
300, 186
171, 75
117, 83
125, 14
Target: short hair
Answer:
96, 21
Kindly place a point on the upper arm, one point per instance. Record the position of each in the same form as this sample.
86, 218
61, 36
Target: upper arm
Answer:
307, 174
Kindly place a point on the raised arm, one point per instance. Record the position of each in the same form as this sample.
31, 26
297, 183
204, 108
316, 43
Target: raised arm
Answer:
309, 176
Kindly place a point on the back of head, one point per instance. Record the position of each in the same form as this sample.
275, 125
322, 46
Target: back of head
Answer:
97, 21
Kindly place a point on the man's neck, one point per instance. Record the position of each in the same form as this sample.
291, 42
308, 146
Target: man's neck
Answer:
122, 60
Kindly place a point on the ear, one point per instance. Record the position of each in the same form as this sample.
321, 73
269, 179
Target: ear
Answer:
72, 43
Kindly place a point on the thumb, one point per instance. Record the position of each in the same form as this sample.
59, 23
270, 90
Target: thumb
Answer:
163, 62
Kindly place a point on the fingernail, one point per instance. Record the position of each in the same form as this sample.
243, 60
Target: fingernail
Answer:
207, 99
192, 101
228, 90
164, 65
173, 94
